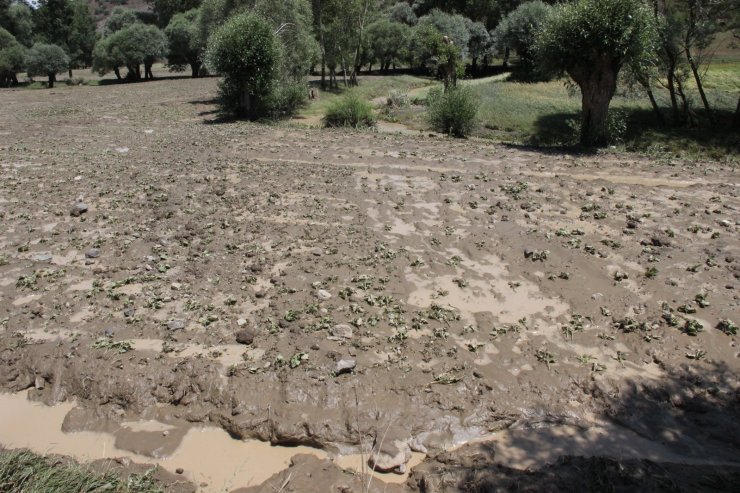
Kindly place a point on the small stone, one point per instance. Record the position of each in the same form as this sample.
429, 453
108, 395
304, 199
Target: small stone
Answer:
128, 312
323, 294
259, 294
165, 433
245, 336
42, 257
39, 383
93, 253
176, 324
109, 331
317, 252
241, 322
179, 470
345, 366
342, 330
78, 209
726, 223
176, 286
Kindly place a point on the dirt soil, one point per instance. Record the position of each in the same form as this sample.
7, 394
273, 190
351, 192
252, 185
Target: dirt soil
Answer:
332, 289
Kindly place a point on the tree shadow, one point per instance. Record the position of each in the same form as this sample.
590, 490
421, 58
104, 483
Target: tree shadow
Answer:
679, 433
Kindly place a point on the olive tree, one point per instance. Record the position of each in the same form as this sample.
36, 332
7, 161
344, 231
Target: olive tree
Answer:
47, 60
591, 40
246, 51
12, 55
131, 47
387, 41
517, 31
185, 44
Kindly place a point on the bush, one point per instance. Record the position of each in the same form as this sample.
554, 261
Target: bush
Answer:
452, 112
46, 60
287, 98
349, 111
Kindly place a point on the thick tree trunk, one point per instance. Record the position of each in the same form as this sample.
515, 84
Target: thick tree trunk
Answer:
195, 69
118, 73
505, 63
52, 79
598, 85
70, 72
247, 105
148, 71
736, 119
14, 81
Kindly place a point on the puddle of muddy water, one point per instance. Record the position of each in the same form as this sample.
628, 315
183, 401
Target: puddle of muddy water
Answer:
209, 457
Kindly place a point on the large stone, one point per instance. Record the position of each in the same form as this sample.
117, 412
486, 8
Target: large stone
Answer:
389, 455
78, 209
342, 330
345, 366
176, 324
245, 336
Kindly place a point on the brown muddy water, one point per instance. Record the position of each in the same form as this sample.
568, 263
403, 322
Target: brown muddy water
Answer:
209, 457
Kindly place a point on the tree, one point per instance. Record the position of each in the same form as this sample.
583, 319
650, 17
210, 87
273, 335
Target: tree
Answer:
517, 31
591, 40
185, 45
165, 10
403, 13
479, 45
82, 37
53, 22
20, 23
46, 59
387, 41
246, 51
131, 47
12, 56
120, 17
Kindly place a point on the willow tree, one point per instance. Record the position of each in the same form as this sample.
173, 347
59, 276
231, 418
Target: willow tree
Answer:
591, 40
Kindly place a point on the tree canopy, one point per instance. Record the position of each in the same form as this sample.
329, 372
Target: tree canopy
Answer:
46, 60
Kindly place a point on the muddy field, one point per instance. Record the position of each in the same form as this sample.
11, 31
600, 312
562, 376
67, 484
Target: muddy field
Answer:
486, 307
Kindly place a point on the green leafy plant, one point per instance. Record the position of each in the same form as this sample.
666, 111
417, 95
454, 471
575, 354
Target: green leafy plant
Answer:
452, 112
349, 111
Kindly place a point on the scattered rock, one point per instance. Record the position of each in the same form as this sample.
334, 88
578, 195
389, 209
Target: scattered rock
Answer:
323, 294
176, 286
179, 470
241, 322
342, 330
78, 209
128, 312
245, 336
345, 366
176, 324
92, 253
42, 257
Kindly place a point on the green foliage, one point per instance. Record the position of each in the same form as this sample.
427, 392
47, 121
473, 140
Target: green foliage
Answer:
120, 17
591, 40
455, 27
349, 111
130, 47
387, 41
286, 98
480, 41
82, 36
46, 60
165, 10
12, 55
452, 112
578, 36
26, 472
246, 51
185, 44
402, 12
20, 23
517, 31
53, 22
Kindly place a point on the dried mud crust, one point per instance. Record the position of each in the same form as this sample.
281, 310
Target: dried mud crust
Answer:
445, 289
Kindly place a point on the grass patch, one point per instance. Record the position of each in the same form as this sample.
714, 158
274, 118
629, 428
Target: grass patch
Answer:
26, 472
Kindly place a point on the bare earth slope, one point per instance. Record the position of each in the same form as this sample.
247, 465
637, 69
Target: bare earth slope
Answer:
422, 292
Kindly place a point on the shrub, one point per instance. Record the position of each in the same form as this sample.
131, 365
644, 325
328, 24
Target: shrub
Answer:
349, 111
287, 98
452, 112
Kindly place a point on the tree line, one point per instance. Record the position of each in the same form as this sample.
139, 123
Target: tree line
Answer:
653, 45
